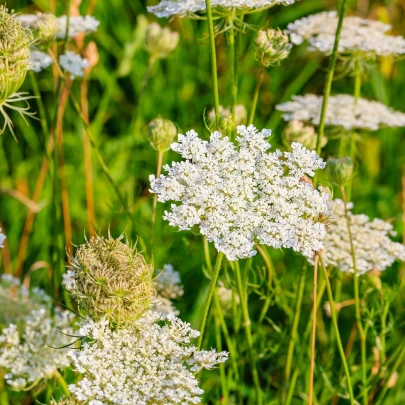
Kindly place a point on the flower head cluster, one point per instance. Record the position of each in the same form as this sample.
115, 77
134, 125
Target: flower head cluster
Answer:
358, 35
2, 238
240, 196
371, 239
226, 121
160, 41
77, 25
30, 335
168, 287
73, 63
110, 280
272, 46
149, 362
181, 8
39, 61
297, 131
342, 111
161, 133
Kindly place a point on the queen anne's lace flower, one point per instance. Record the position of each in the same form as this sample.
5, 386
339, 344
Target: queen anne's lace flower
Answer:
73, 63
147, 363
2, 238
358, 35
342, 111
181, 8
241, 196
77, 25
372, 245
27, 352
39, 61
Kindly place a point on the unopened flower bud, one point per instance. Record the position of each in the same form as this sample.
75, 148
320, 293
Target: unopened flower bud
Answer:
160, 41
340, 171
226, 123
240, 115
161, 133
272, 46
111, 280
296, 131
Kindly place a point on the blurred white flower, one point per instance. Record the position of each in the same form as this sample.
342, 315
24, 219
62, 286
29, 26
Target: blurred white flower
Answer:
181, 8
358, 35
2, 238
160, 41
371, 239
241, 196
39, 61
73, 63
149, 362
77, 25
342, 111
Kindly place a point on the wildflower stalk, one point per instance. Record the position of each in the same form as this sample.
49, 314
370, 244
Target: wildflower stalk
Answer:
256, 96
155, 197
357, 305
214, 278
313, 336
62, 383
336, 328
248, 331
329, 77
224, 385
41, 108
232, 57
213, 59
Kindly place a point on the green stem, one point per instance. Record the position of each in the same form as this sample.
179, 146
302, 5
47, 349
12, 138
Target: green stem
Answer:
207, 304
155, 197
232, 62
357, 304
329, 77
337, 333
62, 383
213, 59
248, 331
256, 96
224, 385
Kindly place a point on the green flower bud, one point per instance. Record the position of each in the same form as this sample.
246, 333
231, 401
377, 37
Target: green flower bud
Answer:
160, 41
272, 46
296, 131
161, 133
15, 43
225, 122
340, 171
111, 280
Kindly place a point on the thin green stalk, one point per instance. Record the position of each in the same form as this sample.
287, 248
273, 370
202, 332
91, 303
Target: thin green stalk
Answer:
213, 59
232, 62
357, 305
256, 96
207, 304
62, 383
296, 319
224, 385
152, 233
337, 333
248, 331
329, 77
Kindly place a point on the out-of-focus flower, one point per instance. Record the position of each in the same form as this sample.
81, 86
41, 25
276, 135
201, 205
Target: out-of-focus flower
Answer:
39, 61
343, 111
297, 131
2, 238
240, 196
340, 171
272, 46
160, 41
77, 25
226, 122
73, 63
161, 133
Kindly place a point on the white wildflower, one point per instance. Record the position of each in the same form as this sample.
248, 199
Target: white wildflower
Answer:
371, 239
73, 63
147, 363
342, 111
77, 25
181, 8
39, 61
240, 196
358, 35
2, 238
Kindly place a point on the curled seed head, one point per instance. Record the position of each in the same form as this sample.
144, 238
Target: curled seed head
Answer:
340, 171
272, 46
111, 280
160, 41
15, 43
161, 133
296, 131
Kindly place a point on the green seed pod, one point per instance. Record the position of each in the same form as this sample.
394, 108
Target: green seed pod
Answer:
111, 280
296, 131
161, 133
15, 43
272, 46
340, 171
160, 41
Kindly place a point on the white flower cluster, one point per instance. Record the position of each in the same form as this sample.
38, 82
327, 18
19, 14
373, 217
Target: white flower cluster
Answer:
77, 25
73, 63
27, 352
2, 238
168, 286
342, 111
358, 35
39, 61
372, 245
241, 196
181, 8
147, 363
